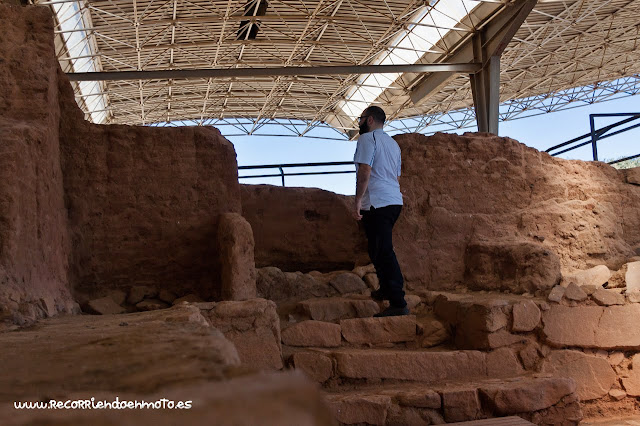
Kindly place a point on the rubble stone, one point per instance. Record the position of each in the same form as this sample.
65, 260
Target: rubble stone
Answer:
348, 283
118, 296
335, 308
556, 294
598, 275
139, 292
632, 277
105, 306
151, 305
371, 280
433, 332
461, 405
526, 316
189, 298
317, 366
574, 292
167, 296
593, 375
604, 297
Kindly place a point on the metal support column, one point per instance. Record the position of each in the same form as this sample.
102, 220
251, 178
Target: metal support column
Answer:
488, 45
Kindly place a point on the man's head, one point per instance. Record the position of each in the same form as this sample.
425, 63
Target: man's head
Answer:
372, 118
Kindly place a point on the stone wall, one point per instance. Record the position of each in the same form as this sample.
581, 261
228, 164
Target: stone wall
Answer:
302, 229
465, 197
34, 241
144, 202
479, 188
90, 207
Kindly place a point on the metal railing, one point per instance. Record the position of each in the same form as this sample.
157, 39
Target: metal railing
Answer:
282, 173
598, 134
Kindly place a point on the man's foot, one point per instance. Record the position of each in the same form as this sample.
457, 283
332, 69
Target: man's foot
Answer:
378, 295
392, 311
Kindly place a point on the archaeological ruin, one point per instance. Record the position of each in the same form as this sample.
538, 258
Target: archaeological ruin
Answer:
135, 267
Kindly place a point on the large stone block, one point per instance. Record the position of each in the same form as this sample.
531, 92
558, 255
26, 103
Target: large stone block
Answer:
319, 334
593, 375
521, 396
237, 266
360, 409
410, 365
254, 328
336, 308
592, 326
316, 365
379, 330
141, 352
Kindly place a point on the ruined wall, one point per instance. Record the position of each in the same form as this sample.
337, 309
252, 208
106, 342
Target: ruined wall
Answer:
90, 207
483, 189
467, 199
302, 229
144, 203
34, 242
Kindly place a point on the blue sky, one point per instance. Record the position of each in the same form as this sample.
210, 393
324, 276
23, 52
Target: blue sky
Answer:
540, 132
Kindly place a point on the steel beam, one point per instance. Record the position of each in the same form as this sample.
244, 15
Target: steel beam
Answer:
279, 71
487, 47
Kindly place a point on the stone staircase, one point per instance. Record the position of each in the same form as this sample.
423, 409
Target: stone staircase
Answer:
458, 357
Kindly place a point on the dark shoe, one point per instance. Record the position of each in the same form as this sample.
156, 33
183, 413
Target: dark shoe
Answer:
379, 295
392, 311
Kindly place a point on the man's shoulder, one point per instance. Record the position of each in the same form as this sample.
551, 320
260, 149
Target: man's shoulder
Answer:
366, 138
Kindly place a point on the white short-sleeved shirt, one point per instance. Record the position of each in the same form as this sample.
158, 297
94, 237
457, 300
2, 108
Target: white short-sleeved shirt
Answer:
382, 153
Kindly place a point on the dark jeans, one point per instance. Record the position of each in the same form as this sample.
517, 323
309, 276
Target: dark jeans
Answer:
378, 225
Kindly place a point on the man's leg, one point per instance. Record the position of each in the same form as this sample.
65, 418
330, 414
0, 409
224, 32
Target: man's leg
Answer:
385, 219
369, 222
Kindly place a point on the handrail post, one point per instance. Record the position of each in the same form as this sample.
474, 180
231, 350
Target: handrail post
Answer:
594, 138
282, 175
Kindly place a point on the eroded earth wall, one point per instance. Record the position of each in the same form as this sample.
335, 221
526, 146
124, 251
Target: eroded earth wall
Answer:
480, 190
302, 229
86, 207
34, 240
144, 202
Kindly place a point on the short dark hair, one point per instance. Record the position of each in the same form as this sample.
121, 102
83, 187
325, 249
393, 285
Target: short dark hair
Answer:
377, 113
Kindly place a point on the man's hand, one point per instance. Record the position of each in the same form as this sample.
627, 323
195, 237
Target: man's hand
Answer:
357, 208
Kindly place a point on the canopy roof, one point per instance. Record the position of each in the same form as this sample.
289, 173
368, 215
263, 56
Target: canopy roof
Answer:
562, 45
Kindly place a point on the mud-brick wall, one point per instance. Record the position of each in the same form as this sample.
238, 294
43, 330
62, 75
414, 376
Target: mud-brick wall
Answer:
34, 242
144, 203
303, 229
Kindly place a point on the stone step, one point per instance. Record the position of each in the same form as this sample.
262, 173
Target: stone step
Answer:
541, 399
345, 365
338, 308
403, 331
487, 321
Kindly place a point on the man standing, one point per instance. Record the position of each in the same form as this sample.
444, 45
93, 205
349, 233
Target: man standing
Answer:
378, 203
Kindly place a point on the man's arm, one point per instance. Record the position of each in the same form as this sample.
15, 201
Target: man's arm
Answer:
362, 181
